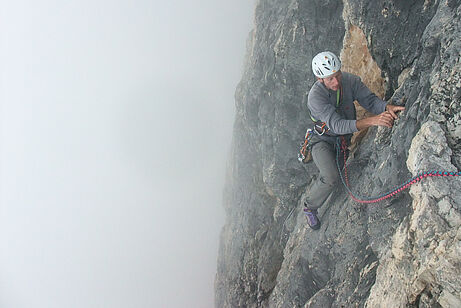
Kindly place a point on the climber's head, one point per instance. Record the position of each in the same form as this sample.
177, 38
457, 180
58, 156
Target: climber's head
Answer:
327, 68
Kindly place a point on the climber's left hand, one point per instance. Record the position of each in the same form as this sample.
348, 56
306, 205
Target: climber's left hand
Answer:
393, 110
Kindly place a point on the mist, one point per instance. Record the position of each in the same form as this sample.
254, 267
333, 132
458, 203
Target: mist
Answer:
116, 123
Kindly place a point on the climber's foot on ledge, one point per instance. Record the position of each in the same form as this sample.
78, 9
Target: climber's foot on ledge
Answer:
312, 219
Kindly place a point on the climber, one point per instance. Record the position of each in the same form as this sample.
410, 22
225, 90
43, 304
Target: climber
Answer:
331, 106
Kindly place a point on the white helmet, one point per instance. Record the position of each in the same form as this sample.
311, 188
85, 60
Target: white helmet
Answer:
325, 64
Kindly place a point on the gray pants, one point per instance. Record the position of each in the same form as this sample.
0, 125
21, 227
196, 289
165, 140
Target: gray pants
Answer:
324, 156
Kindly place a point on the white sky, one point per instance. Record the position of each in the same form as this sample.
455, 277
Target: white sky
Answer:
115, 127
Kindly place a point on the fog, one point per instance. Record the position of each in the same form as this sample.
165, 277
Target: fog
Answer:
116, 123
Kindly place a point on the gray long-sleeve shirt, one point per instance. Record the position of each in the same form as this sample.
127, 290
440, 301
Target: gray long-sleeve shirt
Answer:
342, 120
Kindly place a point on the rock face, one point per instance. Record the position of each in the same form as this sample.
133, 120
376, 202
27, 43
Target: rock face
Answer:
402, 252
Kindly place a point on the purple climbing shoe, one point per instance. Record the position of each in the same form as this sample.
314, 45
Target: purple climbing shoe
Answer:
312, 219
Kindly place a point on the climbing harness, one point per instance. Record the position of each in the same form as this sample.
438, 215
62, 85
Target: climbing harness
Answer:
341, 146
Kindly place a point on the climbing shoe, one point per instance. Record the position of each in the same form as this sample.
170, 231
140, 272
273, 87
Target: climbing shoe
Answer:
312, 219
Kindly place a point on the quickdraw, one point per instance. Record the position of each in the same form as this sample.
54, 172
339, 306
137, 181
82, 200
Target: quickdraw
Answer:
341, 147
321, 128
304, 154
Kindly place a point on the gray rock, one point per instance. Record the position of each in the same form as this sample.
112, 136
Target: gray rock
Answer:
402, 252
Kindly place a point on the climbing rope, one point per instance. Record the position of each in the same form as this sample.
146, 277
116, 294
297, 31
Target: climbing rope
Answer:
341, 147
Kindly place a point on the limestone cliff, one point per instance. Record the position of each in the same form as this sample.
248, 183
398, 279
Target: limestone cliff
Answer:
402, 252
